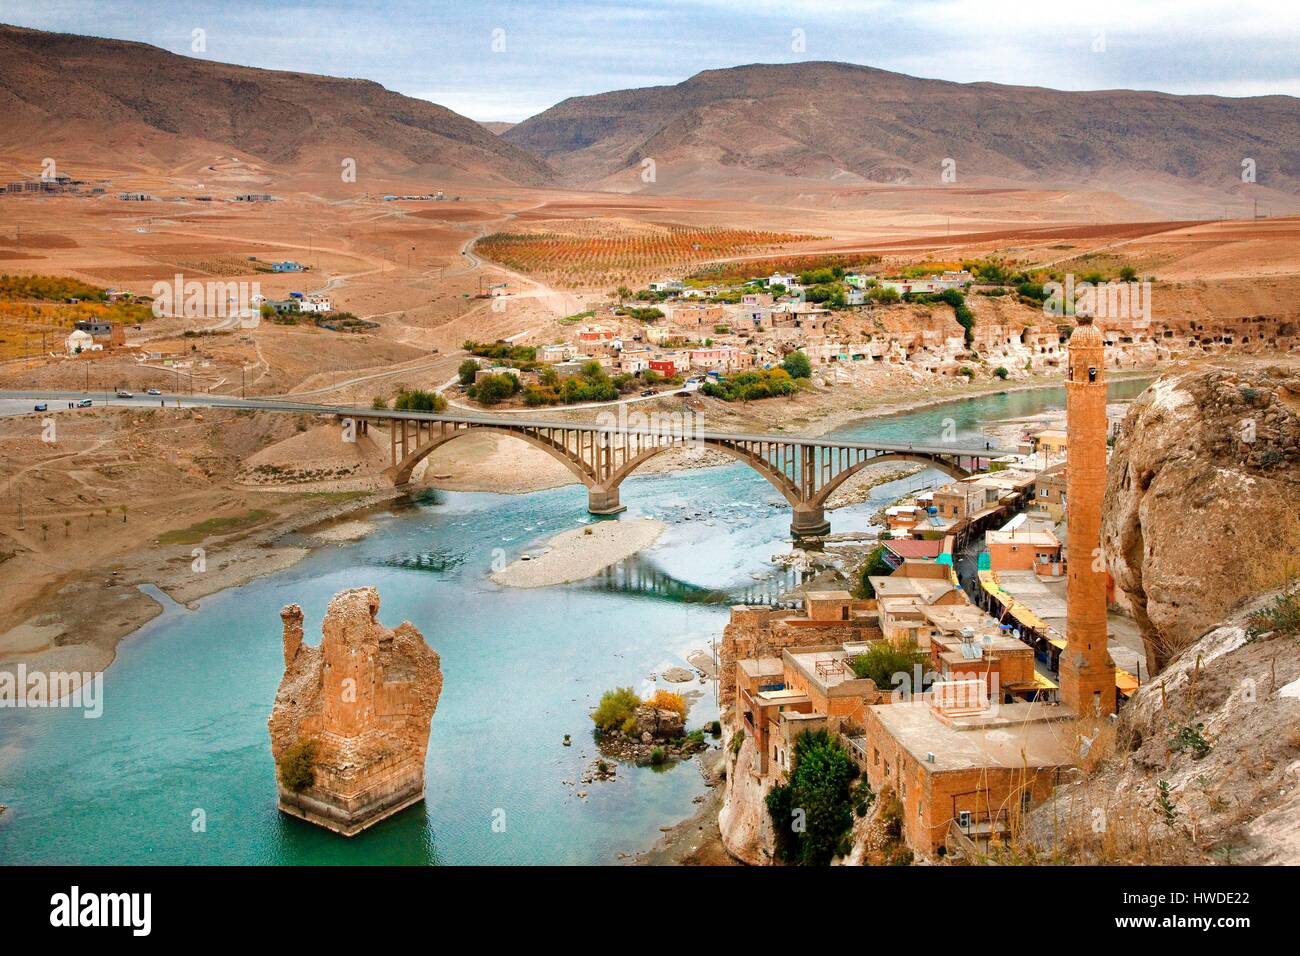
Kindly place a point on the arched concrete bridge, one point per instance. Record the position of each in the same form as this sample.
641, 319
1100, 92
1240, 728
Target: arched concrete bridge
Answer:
805, 470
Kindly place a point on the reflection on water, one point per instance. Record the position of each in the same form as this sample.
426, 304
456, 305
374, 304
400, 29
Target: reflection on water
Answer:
641, 575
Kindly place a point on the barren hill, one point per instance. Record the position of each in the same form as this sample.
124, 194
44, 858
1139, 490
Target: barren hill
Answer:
83, 98
855, 125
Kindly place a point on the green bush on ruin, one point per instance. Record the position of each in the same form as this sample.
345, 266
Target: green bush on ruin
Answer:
298, 766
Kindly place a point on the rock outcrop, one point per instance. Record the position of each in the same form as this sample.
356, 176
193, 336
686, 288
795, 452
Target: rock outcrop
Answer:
743, 821
1204, 764
1201, 496
658, 723
350, 727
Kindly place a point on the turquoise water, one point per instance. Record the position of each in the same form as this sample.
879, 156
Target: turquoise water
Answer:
186, 703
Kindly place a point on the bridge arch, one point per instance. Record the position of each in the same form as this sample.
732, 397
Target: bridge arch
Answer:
401, 472
789, 490
932, 461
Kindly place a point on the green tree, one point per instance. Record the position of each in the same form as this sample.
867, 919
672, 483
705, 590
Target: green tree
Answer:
797, 365
616, 708
1001, 372
467, 371
883, 660
492, 389
874, 566
812, 814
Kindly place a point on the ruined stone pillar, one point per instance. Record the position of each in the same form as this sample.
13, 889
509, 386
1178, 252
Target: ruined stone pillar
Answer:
604, 501
292, 618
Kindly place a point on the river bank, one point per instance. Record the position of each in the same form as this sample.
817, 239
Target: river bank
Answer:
579, 553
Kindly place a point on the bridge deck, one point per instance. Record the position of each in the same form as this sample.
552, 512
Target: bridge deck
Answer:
521, 422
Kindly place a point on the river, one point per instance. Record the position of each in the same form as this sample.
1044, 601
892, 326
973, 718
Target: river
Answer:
178, 769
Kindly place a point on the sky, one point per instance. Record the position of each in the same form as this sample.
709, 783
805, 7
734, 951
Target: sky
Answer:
506, 61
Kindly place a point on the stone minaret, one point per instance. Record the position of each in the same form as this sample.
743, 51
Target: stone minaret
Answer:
1087, 672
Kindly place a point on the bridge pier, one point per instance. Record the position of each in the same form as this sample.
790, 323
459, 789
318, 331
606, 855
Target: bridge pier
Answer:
809, 521
604, 501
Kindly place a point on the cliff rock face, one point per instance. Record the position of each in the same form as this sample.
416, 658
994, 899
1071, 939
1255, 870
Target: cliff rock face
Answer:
743, 821
1219, 728
1201, 495
359, 706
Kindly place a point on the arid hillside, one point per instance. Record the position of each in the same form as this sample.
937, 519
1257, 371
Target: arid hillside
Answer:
76, 98
854, 125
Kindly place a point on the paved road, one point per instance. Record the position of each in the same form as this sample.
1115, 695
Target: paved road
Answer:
58, 401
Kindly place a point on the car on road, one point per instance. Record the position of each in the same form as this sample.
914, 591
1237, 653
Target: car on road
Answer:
123, 393
85, 403
682, 394
647, 392
154, 391
41, 407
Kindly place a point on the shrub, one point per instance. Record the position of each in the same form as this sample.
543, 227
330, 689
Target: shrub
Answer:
883, 660
873, 566
667, 700
658, 756
796, 365
747, 386
1001, 372
492, 389
616, 708
468, 369
1281, 618
737, 741
419, 400
379, 403
1190, 737
715, 728
818, 797
298, 766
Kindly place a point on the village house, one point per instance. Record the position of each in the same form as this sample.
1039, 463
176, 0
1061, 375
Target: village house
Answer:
1049, 493
558, 352
958, 500
697, 317
1050, 442
666, 367
1023, 545
633, 361
901, 598
596, 335
965, 770
897, 550
495, 370
720, 358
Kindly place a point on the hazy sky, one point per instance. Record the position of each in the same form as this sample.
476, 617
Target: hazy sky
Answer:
507, 61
